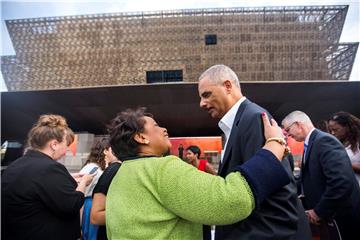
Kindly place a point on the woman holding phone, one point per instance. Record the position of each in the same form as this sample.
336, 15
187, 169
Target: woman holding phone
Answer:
40, 199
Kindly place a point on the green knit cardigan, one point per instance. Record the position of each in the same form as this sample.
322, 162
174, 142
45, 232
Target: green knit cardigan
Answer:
166, 198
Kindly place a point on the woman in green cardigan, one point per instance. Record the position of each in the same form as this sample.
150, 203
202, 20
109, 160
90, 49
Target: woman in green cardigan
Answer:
156, 197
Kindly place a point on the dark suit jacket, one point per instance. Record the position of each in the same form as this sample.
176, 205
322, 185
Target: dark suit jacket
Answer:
278, 216
39, 200
329, 183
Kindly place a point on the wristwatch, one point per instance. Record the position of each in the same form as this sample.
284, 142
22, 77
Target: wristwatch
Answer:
282, 142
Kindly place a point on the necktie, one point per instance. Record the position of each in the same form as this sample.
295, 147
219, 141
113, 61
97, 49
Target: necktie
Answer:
305, 149
302, 167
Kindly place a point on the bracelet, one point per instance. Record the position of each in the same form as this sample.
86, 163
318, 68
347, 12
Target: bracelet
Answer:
280, 141
276, 139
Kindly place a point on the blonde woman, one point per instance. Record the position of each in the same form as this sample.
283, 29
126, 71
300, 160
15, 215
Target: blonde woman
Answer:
40, 199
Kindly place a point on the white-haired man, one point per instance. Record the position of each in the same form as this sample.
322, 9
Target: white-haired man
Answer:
327, 181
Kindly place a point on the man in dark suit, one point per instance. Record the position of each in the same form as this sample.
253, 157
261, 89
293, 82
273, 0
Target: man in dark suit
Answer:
327, 181
281, 215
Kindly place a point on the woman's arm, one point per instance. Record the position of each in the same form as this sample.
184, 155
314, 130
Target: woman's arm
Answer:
97, 215
58, 191
209, 169
231, 199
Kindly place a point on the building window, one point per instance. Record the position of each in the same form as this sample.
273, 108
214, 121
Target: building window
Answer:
210, 39
164, 76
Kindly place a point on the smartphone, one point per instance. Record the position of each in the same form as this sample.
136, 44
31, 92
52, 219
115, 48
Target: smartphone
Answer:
93, 170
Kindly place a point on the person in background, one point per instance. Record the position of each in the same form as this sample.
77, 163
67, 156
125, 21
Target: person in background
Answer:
346, 127
181, 151
193, 154
323, 125
95, 162
109, 156
328, 185
97, 215
39, 198
154, 197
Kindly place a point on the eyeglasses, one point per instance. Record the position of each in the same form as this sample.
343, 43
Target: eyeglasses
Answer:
289, 127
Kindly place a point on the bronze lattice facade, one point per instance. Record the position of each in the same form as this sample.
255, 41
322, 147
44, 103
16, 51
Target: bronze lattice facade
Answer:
260, 44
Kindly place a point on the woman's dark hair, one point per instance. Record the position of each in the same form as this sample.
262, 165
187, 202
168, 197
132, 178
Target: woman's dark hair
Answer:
323, 125
195, 149
348, 120
97, 153
122, 130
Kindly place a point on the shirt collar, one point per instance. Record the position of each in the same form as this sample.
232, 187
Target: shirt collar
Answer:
308, 137
36, 154
226, 122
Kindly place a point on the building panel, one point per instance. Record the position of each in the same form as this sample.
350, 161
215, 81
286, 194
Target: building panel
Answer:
260, 44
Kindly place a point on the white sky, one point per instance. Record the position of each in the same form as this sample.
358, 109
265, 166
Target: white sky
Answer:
29, 9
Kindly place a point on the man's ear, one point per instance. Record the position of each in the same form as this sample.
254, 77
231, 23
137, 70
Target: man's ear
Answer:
228, 85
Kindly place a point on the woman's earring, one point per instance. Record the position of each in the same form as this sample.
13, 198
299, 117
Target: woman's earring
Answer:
146, 141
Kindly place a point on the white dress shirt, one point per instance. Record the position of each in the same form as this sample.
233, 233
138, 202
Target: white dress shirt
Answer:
354, 158
227, 121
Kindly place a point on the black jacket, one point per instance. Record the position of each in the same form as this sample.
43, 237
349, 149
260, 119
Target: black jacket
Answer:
329, 183
281, 215
39, 200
